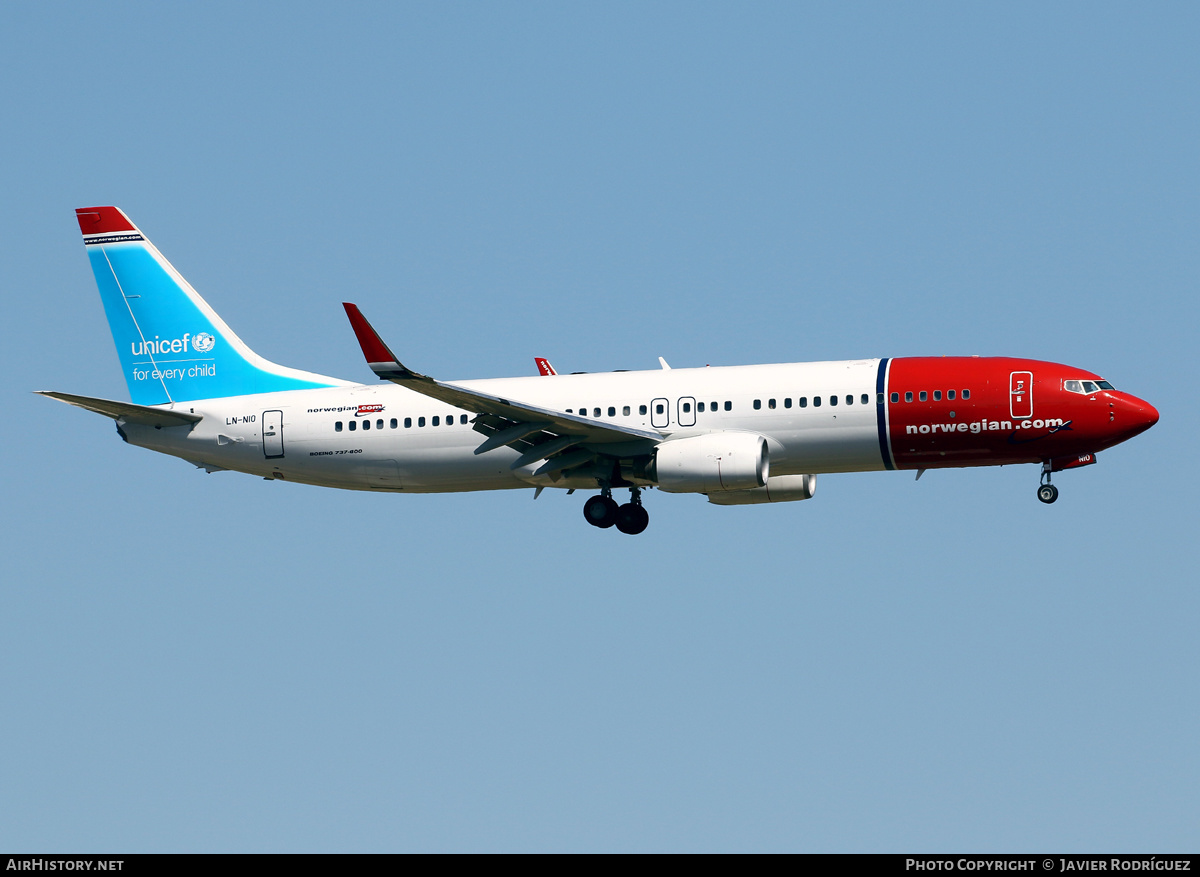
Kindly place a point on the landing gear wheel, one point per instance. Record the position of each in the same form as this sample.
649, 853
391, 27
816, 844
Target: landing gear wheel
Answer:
632, 518
601, 511
1047, 493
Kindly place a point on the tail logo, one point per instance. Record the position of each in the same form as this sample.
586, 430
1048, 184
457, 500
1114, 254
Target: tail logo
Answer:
201, 342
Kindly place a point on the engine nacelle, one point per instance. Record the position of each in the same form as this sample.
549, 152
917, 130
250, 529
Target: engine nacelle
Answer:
780, 488
714, 462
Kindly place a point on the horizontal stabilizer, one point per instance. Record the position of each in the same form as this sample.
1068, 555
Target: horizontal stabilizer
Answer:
127, 411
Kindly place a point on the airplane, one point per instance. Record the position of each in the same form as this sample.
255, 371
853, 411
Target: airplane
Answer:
739, 435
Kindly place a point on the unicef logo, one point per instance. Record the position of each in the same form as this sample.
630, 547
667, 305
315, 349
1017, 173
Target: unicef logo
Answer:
203, 342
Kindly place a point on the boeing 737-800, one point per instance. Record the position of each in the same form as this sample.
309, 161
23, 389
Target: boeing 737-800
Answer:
738, 435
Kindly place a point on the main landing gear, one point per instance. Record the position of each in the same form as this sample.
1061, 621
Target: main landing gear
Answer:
602, 511
1047, 493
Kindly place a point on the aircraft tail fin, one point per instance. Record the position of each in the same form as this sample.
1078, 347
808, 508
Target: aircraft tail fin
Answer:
173, 347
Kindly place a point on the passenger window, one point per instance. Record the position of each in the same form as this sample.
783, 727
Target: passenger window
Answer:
937, 395
366, 424
595, 412
712, 407
337, 427
866, 400
849, 400
379, 423
658, 409
570, 410
408, 423
625, 411
420, 421
787, 403
924, 396
833, 400
687, 407
802, 402
816, 401
896, 397
463, 419
612, 412
436, 421
700, 407
394, 423
641, 409
966, 394
728, 406
950, 395
908, 396
771, 403
352, 425
757, 404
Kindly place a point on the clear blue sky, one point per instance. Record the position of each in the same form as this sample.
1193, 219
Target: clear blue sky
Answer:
215, 662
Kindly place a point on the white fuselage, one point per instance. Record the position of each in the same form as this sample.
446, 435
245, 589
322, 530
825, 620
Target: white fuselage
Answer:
306, 435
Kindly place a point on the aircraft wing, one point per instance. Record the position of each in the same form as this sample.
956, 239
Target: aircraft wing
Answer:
539, 433
127, 411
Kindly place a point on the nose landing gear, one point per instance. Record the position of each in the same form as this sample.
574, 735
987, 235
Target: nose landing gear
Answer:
602, 511
1047, 493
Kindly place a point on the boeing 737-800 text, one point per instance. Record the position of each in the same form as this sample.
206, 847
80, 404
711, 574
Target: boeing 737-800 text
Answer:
739, 435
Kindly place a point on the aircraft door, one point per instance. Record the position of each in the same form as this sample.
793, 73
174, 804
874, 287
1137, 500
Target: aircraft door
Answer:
1020, 395
686, 416
660, 413
272, 433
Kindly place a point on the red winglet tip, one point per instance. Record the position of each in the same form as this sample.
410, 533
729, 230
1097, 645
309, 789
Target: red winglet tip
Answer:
102, 220
372, 345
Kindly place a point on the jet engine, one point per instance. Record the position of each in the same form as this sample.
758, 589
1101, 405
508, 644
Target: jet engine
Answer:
779, 488
717, 461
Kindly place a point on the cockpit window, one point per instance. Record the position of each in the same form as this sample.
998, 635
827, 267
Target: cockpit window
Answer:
1086, 387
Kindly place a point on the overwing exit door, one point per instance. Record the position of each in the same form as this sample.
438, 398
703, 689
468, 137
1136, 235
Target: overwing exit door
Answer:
272, 433
660, 413
687, 412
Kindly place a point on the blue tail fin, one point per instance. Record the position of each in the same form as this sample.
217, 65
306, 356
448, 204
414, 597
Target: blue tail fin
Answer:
173, 346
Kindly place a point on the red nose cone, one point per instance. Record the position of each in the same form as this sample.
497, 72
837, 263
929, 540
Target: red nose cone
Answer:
1137, 415
1151, 414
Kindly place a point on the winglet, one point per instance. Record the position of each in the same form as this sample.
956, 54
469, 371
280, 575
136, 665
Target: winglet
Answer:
381, 360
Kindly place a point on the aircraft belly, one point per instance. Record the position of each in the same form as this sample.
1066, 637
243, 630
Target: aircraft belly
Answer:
827, 448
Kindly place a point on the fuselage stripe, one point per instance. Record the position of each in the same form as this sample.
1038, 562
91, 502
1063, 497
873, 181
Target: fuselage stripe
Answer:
881, 413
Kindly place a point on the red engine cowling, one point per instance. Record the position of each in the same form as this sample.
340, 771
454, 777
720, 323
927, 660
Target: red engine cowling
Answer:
779, 488
713, 462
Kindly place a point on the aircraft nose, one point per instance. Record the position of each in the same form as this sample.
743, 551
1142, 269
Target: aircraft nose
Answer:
1136, 415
